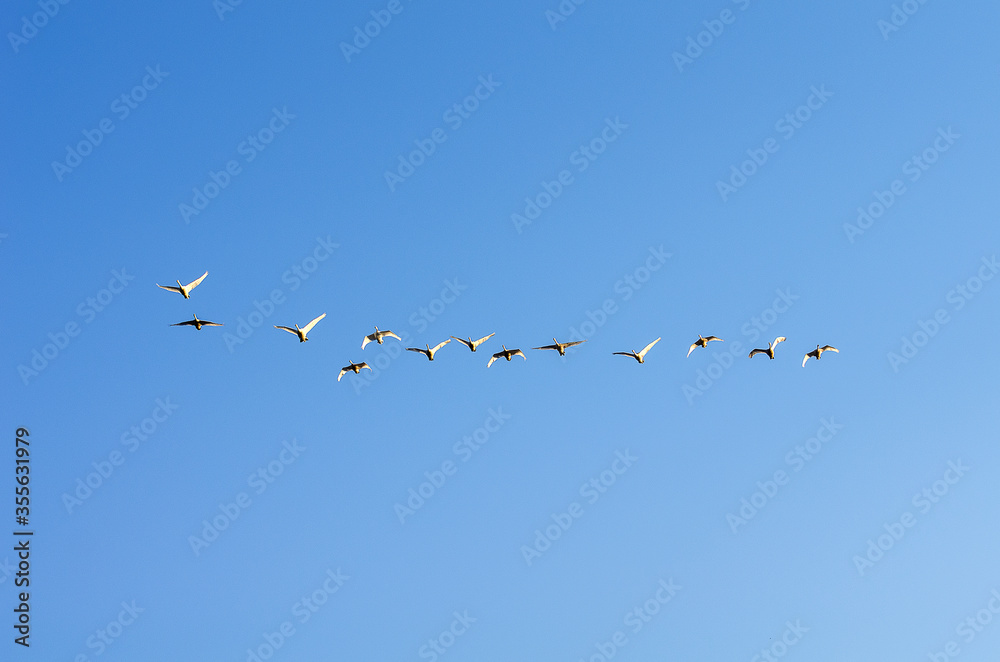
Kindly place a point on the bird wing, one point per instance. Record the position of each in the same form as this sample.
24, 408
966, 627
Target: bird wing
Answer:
830, 348
806, 357
516, 352
204, 323
187, 323
285, 328
416, 349
556, 347
624, 354
195, 283
575, 342
492, 359
464, 342
777, 340
757, 351
477, 343
308, 327
646, 348
367, 340
391, 335
363, 365
691, 348
707, 338
168, 287
343, 371
439, 346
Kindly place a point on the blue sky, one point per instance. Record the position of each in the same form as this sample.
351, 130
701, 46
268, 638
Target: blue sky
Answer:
476, 170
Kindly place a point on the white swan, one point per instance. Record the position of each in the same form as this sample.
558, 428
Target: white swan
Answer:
638, 356
770, 348
378, 336
818, 352
701, 342
197, 323
506, 354
473, 344
184, 289
356, 367
301, 333
430, 351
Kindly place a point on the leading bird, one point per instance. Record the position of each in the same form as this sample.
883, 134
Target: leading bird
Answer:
638, 356
818, 352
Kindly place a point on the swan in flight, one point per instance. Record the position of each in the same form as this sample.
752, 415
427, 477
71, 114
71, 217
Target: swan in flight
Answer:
560, 346
355, 367
640, 356
197, 323
770, 348
702, 341
378, 336
430, 351
506, 354
473, 344
184, 289
301, 333
818, 352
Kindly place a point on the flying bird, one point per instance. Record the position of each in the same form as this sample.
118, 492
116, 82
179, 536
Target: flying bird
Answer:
818, 353
702, 341
197, 323
640, 356
473, 344
184, 289
430, 351
301, 333
560, 346
378, 336
355, 367
506, 354
770, 348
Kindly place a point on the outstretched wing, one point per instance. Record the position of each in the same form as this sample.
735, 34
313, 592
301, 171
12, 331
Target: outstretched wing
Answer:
691, 348
575, 342
777, 340
187, 323
285, 328
343, 371
367, 340
806, 357
556, 347
477, 343
195, 283
439, 346
204, 323
363, 365
830, 348
391, 335
308, 327
168, 287
708, 338
464, 342
492, 359
646, 348
416, 349
754, 352
517, 352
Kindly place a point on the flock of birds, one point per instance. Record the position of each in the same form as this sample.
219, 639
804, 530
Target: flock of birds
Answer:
379, 337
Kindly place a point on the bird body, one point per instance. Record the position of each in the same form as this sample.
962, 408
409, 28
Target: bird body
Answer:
301, 333
818, 353
560, 346
354, 367
185, 290
196, 323
378, 337
638, 356
702, 341
473, 344
430, 351
506, 354
770, 348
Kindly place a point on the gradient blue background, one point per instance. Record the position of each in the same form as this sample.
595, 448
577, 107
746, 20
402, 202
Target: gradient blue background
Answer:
665, 517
